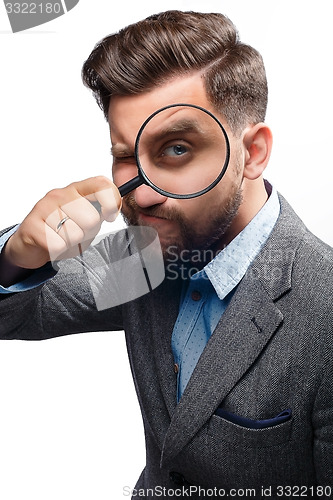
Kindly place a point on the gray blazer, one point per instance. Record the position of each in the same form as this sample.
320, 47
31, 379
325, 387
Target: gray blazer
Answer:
271, 352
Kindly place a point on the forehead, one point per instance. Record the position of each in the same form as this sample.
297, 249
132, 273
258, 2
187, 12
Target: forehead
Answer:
127, 113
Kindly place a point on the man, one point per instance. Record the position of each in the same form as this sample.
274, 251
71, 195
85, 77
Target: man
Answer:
232, 360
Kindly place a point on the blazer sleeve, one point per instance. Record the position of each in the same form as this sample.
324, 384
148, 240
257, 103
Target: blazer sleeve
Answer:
38, 277
323, 422
63, 305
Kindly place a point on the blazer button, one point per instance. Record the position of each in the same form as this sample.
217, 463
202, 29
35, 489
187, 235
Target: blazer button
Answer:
176, 368
177, 478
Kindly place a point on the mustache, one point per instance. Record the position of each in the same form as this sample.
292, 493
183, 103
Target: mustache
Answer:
153, 211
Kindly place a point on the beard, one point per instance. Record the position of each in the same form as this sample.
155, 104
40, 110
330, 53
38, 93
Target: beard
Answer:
189, 238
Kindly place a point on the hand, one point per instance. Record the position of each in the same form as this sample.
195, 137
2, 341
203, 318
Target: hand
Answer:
42, 237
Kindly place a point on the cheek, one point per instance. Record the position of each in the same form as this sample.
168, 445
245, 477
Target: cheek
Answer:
196, 210
200, 211
123, 172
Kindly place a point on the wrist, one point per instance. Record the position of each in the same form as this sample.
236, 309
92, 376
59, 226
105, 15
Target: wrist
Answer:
10, 273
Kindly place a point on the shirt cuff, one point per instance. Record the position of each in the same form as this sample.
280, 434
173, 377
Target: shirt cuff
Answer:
37, 278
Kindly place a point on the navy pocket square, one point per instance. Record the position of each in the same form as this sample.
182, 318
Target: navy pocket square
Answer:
284, 416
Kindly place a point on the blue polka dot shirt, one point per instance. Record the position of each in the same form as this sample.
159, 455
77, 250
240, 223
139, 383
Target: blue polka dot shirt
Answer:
210, 290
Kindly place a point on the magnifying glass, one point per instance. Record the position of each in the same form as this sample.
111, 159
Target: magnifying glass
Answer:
181, 151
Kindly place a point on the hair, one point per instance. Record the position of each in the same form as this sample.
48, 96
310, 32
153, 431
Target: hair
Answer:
152, 51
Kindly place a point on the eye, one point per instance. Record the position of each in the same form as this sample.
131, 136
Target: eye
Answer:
175, 150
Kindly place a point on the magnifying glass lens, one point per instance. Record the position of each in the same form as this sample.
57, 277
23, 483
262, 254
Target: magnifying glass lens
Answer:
182, 151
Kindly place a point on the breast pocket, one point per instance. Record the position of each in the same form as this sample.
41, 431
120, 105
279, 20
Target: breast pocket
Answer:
250, 458
240, 431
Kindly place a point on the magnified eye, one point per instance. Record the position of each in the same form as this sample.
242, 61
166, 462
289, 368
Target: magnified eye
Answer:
176, 150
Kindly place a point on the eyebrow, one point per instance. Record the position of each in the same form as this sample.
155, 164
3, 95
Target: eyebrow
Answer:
121, 150
185, 125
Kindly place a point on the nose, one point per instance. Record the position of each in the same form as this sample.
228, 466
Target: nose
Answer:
146, 197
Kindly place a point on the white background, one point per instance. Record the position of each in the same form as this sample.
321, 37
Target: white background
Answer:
70, 427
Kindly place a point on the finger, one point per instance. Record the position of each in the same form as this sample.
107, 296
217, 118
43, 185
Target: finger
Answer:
56, 245
84, 214
54, 218
99, 189
93, 185
64, 227
106, 203
110, 202
44, 245
58, 249
105, 192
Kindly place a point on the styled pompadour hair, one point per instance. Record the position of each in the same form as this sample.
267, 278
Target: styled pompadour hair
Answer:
173, 43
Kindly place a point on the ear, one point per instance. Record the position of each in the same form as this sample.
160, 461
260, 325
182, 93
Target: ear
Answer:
257, 143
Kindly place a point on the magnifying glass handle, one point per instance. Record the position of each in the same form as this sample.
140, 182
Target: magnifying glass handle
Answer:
130, 185
123, 189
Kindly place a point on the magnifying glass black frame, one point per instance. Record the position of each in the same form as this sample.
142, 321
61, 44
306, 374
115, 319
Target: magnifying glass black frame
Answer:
142, 178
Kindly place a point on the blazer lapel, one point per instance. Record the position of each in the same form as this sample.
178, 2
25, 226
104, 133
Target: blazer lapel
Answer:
164, 312
245, 328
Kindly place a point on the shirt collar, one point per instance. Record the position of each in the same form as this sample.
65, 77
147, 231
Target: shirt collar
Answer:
227, 269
